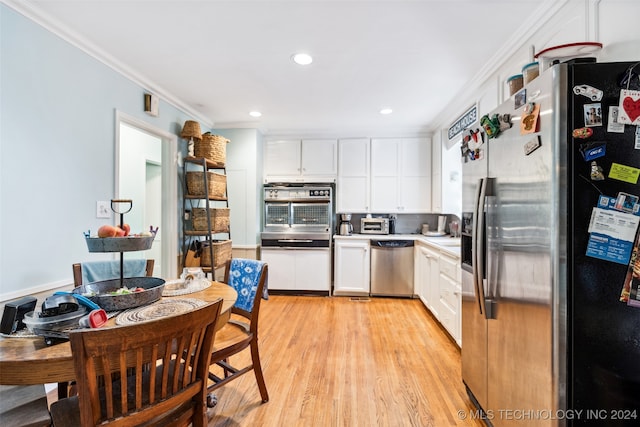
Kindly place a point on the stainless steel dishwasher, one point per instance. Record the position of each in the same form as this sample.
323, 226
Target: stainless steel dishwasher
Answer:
392, 268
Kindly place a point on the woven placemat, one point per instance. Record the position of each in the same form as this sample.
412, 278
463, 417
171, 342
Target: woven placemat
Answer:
177, 287
159, 309
22, 333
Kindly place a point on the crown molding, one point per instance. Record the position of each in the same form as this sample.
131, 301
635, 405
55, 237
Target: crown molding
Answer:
32, 12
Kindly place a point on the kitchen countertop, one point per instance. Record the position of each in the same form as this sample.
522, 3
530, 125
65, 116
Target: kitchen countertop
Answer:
445, 243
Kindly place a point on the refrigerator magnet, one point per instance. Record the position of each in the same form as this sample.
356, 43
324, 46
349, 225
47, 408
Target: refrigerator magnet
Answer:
593, 150
589, 91
582, 133
632, 279
504, 121
624, 173
596, 172
612, 121
627, 202
629, 113
593, 114
519, 99
491, 125
529, 120
532, 145
611, 233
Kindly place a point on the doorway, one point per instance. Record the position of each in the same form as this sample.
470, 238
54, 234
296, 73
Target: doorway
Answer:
146, 173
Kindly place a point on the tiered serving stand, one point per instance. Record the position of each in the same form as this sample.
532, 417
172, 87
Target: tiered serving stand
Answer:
101, 292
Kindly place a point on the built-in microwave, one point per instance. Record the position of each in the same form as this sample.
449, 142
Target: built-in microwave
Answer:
374, 226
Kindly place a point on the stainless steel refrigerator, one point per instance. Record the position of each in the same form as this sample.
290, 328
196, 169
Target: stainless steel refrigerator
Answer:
546, 340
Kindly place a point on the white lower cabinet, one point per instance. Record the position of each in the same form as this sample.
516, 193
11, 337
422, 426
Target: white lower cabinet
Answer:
437, 278
427, 272
298, 269
351, 275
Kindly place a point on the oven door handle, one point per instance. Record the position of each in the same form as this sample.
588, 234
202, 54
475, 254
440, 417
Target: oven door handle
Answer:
295, 240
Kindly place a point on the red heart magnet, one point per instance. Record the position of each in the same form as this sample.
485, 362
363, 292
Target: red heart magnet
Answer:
629, 107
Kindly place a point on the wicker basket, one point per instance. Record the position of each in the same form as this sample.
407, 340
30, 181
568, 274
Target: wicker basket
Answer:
219, 220
221, 253
217, 184
212, 147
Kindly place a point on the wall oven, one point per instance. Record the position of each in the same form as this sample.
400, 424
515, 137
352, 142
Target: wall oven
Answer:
296, 237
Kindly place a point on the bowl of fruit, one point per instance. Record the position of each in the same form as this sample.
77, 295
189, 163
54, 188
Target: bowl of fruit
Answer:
118, 239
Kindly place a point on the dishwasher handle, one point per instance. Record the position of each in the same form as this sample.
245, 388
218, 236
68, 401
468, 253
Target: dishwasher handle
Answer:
391, 244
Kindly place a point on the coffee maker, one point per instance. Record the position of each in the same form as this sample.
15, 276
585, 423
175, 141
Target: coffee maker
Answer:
346, 228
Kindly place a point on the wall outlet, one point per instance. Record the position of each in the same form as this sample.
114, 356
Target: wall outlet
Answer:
103, 209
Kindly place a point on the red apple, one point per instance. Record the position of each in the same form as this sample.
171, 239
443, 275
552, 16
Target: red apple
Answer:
107, 231
126, 228
120, 232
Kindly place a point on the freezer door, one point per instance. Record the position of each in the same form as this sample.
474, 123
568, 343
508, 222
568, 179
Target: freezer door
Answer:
474, 348
521, 209
474, 324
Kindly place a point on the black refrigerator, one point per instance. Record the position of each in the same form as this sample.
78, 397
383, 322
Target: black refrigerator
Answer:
604, 332
550, 324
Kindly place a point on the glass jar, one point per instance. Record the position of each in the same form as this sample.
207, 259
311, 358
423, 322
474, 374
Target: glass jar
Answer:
530, 72
515, 83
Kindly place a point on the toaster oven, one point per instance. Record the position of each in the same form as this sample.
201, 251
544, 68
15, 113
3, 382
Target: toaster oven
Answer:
374, 226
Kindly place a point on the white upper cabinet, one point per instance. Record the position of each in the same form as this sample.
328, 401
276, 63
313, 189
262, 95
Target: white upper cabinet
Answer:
282, 158
400, 175
312, 160
352, 188
320, 158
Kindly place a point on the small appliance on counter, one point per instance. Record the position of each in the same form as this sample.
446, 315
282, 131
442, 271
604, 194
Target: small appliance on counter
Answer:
346, 228
374, 225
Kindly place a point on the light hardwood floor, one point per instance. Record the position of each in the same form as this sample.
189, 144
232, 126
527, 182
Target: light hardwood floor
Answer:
342, 362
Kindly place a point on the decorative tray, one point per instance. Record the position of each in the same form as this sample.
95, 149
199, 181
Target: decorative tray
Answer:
119, 244
103, 292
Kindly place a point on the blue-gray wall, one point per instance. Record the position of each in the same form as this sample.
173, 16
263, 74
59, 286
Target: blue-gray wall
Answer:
57, 151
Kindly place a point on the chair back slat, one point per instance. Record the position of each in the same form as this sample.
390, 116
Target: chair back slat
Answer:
129, 374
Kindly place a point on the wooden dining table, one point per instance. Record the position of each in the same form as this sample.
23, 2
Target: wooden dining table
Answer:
28, 360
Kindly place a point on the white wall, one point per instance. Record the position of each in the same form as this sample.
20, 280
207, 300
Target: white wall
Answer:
244, 170
614, 23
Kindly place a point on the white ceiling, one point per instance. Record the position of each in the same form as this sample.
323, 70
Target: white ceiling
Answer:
221, 59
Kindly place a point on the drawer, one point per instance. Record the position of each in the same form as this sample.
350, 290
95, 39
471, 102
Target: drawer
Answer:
449, 266
448, 293
447, 318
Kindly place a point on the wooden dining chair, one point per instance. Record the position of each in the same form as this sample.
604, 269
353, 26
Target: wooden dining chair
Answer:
248, 277
63, 387
148, 373
77, 272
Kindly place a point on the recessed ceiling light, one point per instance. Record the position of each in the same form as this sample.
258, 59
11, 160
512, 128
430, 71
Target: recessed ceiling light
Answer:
386, 111
302, 59
255, 114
